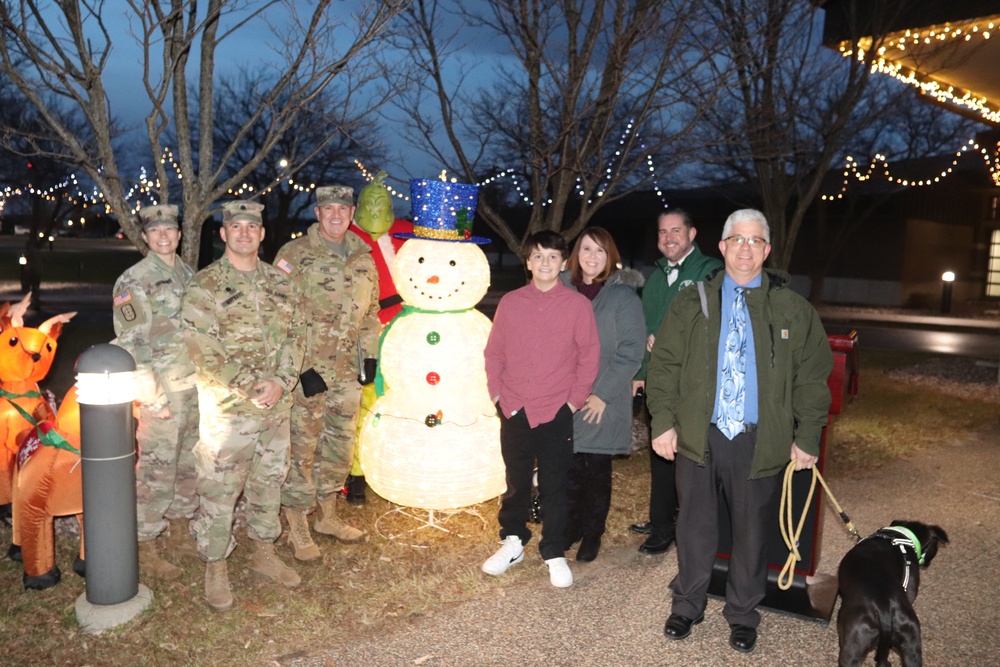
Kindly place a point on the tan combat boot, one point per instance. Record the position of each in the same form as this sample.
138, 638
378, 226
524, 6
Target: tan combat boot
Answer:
151, 564
179, 541
217, 591
331, 525
298, 535
265, 561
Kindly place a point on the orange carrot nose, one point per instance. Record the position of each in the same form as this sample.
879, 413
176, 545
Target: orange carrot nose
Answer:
433, 280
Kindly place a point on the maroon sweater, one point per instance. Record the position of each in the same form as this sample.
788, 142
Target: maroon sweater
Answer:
543, 352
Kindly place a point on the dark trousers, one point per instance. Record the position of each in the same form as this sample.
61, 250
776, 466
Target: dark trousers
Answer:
551, 445
662, 496
752, 508
589, 493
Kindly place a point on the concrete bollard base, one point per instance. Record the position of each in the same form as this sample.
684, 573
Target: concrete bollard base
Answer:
94, 618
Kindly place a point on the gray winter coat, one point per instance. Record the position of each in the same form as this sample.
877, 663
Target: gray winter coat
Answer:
621, 328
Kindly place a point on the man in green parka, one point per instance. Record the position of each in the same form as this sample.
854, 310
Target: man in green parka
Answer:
736, 388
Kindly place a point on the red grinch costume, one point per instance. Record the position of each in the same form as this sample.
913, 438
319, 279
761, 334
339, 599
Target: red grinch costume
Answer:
384, 252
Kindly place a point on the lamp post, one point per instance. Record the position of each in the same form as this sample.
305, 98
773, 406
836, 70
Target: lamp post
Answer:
947, 280
105, 389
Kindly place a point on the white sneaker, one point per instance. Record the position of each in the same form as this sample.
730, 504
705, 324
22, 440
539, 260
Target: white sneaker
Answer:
559, 573
509, 553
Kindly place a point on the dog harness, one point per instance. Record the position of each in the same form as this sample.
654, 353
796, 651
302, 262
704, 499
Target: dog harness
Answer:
904, 539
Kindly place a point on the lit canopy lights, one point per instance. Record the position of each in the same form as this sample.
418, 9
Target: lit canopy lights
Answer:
898, 49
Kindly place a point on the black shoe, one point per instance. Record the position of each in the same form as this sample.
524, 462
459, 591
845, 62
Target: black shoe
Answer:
354, 490
589, 547
644, 528
743, 638
679, 627
655, 544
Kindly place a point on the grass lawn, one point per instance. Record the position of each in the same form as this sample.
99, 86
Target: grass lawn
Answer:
399, 573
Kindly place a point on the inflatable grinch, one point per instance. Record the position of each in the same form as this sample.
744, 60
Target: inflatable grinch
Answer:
375, 224
432, 439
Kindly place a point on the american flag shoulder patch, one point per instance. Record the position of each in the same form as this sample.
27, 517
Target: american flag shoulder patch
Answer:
284, 265
124, 297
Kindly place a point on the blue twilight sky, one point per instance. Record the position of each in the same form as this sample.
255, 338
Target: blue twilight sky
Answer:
253, 47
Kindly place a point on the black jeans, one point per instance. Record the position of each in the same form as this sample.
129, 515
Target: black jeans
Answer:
551, 445
589, 493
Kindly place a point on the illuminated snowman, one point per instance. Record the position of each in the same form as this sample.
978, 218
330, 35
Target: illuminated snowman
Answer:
432, 439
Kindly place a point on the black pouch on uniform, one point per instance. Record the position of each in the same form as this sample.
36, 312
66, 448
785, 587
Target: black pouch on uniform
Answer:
368, 368
312, 383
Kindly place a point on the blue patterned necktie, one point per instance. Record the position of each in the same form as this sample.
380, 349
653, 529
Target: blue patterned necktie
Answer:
729, 419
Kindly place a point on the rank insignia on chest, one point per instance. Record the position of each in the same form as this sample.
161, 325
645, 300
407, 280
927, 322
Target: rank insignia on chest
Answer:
124, 297
284, 265
784, 334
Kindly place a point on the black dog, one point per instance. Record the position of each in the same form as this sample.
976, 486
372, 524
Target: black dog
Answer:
878, 582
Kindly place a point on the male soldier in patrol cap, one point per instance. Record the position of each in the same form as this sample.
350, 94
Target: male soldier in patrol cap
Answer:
336, 281
241, 326
147, 308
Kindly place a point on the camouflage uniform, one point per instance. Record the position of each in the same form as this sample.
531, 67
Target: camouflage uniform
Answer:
341, 296
240, 330
147, 305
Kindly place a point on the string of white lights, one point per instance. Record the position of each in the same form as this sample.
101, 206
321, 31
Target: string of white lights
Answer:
522, 187
880, 165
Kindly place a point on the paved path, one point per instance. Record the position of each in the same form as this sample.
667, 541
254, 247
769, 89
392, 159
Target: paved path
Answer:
614, 613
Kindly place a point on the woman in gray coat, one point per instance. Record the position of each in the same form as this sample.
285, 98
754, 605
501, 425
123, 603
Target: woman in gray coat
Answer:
602, 427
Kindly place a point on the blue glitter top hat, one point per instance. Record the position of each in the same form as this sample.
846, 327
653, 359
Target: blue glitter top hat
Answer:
443, 211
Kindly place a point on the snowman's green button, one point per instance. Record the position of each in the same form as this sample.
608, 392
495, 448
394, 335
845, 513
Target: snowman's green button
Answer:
433, 338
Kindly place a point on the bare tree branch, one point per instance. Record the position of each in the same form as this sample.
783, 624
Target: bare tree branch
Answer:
574, 76
62, 50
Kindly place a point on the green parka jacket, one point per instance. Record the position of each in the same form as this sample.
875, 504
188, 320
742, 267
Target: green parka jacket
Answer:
793, 362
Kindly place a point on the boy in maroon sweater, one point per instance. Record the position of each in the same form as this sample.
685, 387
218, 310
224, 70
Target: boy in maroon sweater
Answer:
542, 358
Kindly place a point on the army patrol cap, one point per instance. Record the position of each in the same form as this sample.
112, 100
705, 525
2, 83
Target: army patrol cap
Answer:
242, 210
335, 194
161, 214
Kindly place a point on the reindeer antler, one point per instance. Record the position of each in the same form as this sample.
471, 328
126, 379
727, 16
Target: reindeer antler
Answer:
18, 310
53, 326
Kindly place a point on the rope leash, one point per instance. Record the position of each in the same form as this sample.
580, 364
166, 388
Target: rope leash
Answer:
786, 520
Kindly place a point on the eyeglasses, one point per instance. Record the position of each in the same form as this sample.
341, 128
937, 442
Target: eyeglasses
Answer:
752, 241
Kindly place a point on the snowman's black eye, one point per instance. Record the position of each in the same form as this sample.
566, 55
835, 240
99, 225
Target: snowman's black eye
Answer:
420, 261
452, 263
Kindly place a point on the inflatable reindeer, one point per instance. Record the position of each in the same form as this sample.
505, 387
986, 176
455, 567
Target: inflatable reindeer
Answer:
26, 356
48, 482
